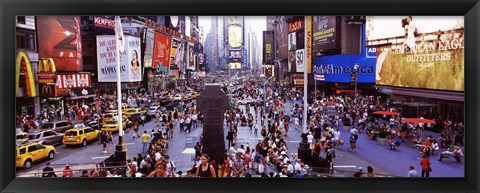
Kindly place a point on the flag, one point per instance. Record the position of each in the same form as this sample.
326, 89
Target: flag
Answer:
119, 34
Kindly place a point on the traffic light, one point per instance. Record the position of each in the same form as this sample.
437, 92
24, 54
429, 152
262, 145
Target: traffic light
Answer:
353, 77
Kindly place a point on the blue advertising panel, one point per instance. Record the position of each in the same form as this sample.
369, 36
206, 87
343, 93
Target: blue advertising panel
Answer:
245, 59
338, 68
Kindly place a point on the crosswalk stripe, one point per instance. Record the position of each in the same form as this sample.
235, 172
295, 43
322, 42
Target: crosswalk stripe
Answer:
345, 166
101, 157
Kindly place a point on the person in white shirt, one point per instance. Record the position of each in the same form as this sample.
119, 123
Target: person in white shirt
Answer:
310, 139
392, 122
232, 151
297, 122
290, 168
194, 120
158, 156
337, 135
241, 150
298, 166
412, 173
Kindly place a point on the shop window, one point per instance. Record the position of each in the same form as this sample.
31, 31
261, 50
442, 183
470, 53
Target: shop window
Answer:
21, 20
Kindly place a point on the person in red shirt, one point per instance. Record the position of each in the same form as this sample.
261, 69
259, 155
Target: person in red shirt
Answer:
67, 172
425, 163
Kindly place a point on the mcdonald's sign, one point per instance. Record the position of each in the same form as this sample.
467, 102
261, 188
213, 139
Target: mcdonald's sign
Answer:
46, 70
47, 90
23, 61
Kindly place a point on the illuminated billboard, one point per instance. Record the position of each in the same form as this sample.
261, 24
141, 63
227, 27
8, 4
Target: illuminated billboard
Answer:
235, 36
431, 49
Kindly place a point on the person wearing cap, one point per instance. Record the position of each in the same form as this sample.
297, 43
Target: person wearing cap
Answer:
67, 172
48, 171
359, 173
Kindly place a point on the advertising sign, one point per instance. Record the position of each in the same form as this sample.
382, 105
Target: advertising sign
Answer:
235, 36
23, 61
59, 38
292, 62
300, 60
326, 33
235, 56
245, 60
292, 41
191, 57
300, 40
149, 43
235, 65
298, 79
173, 52
47, 90
268, 47
429, 48
130, 66
77, 80
104, 21
338, 68
46, 71
295, 24
161, 51
201, 58
371, 52
235, 20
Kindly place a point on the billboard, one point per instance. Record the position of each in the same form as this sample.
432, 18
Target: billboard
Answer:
300, 60
235, 20
149, 43
326, 33
77, 80
235, 56
161, 51
173, 52
191, 57
429, 48
235, 65
292, 41
268, 47
245, 60
235, 36
338, 68
107, 22
292, 62
59, 38
130, 66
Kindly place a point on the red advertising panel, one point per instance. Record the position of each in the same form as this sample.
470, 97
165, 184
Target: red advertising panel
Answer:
59, 38
73, 80
161, 51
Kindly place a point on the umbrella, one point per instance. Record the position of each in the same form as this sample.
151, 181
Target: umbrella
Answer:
386, 113
330, 103
418, 120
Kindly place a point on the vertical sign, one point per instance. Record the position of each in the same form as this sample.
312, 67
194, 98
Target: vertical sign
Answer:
191, 57
149, 43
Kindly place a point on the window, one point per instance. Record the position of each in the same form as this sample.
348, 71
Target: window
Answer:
81, 132
34, 136
48, 134
40, 147
71, 133
61, 124
22, 151
25, 40
88, 130
32, 148
21, 19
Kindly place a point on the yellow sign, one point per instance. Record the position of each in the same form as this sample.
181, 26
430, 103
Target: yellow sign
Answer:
24, 61
268, 48
46, 71
309, 44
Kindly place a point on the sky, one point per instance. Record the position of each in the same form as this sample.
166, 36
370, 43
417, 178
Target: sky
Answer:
258, 24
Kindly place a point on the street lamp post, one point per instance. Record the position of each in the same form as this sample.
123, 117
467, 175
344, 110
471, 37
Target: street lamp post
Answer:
356, 80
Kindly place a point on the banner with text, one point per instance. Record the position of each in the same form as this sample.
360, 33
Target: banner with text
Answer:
429, 48
149, 43
130, 66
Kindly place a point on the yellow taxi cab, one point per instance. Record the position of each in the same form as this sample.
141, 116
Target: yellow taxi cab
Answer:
111, 117
80, 135
112, 126
126, 108
33, 152
131, 112
194, 95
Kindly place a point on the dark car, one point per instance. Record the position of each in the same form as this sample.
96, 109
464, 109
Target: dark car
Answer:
59, 126
46, 137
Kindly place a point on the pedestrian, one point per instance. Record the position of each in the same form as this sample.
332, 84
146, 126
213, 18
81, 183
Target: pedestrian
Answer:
205, 169
230, 137
85, 174
110, 141
412, 173
135, 129
104, 140
145, 138
170, 166
369, 172
352, 144
359, 173
198, 149
48, 171
426, 169
182, 121
160, 170
67, 172
142, 118
296, 122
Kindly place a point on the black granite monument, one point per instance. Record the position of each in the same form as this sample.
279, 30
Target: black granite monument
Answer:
213, 103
